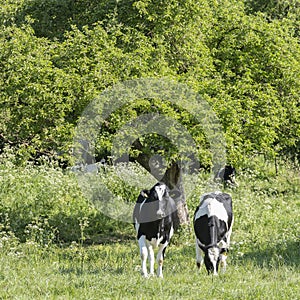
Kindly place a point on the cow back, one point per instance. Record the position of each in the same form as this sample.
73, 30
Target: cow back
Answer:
213, 218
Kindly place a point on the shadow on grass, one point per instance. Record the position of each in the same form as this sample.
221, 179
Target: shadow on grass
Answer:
280, 254
110, 238
90, 272
99, 229
77, 271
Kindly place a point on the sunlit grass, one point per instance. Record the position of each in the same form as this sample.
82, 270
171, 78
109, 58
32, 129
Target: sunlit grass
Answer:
112, 272
55, 245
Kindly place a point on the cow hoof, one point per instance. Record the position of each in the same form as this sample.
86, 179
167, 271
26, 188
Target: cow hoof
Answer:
148, 275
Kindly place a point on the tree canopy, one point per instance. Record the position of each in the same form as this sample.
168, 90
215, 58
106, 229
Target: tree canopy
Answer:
242, 57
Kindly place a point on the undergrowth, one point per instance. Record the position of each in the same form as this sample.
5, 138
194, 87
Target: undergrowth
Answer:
56, 244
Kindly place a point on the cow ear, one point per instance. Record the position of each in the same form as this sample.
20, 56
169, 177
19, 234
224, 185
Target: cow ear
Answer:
145, 193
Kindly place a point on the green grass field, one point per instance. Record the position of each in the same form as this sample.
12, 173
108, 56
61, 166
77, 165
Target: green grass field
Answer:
102, 261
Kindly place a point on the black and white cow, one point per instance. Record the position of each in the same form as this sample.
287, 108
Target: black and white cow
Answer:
213, 221
153, 216
226, 175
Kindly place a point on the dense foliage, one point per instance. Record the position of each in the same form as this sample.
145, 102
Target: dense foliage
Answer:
241, 56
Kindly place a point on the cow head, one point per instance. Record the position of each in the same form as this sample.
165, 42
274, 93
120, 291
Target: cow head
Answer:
154, 204
212, 260
162, 196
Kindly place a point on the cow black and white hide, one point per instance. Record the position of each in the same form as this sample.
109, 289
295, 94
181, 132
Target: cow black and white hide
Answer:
153, 216
213, 221
226, 175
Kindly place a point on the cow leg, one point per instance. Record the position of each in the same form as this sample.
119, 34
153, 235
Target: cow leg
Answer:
223, 263
160, 259
223, 256
228, 235
199, 258
144, 255
151, 258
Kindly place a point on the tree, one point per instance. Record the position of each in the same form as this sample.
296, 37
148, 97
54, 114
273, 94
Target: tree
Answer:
242, 57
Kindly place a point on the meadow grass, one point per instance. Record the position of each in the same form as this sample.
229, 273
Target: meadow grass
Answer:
112, 271
101, 259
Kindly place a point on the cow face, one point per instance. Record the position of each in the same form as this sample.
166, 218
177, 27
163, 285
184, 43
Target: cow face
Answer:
160, 189
152, 204
212, 260
162, 197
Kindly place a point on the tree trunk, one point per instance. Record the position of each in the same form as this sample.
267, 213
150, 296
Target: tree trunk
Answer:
172, 178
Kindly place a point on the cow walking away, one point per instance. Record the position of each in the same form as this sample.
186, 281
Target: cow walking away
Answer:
213, 221
153, 216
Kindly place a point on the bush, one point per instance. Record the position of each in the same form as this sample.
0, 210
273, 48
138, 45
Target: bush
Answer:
41, 202
45, 204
